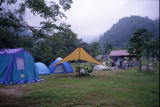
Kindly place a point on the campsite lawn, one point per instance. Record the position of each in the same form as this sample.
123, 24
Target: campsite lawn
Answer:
128, 88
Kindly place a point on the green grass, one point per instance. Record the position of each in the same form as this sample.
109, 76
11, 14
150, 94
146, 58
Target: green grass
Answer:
102, 89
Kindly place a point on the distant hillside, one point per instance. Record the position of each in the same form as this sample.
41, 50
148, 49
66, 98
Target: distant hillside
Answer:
120, 33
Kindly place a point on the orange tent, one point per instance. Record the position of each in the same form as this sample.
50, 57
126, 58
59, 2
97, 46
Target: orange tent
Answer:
80, 54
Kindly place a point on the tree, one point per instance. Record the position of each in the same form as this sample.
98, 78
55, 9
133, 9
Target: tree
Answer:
154, 48
62, 43
138, 43
42, 52
148, 52
119, 38
12, 23
157, 47
85, 46
94, 49
12, 39
51, 12
108, 47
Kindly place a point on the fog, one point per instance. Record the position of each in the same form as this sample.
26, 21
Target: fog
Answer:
91, 18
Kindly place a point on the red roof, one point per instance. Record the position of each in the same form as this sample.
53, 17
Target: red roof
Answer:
119, 53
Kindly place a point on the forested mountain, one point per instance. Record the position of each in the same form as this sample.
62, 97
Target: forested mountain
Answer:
120, 33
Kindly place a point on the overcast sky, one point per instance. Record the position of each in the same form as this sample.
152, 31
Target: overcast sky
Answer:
91, 18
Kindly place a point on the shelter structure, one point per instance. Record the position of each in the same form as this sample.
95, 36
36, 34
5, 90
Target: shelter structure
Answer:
120, 53
41, 68
79, 54
16, 67
122, 58
62, 68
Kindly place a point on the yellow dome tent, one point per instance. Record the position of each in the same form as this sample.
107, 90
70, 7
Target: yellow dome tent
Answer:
79, 54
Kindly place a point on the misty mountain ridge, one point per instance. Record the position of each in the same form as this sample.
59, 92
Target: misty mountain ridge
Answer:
120, 33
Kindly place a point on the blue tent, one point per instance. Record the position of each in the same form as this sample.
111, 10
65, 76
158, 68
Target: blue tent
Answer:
60, 68
41, 68
16, 67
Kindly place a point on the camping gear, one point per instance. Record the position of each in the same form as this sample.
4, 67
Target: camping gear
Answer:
63, 67
41, 68
16, 67
89, 71
79, 54
101, 67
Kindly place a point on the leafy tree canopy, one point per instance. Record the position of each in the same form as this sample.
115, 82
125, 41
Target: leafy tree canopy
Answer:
51, 12
139, 42
94, 49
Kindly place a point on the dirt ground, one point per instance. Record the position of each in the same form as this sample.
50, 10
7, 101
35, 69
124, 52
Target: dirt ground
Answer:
11, 91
